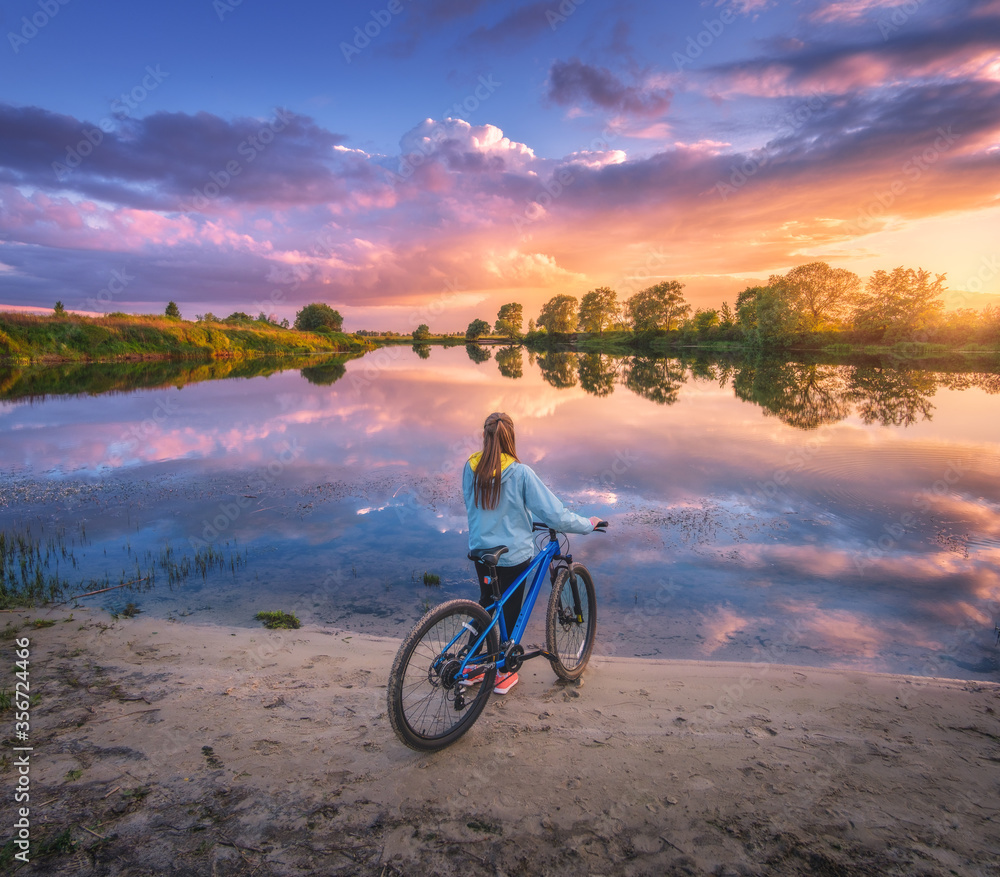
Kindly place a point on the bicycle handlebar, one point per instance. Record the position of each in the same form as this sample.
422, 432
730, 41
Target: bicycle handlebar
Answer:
599, 527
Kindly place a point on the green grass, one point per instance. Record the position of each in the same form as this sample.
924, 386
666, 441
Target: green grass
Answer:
279, 620
72, 338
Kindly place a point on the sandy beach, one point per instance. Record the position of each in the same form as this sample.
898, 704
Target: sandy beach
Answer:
170, 747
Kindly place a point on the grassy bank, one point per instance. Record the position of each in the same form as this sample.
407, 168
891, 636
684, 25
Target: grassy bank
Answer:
26, 338
38, 380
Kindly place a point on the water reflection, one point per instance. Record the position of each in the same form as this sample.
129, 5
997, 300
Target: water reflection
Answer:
756, 515
477, 353
510, 362
804, 396
558, 368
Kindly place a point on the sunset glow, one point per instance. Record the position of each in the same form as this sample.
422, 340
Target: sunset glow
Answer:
429, 164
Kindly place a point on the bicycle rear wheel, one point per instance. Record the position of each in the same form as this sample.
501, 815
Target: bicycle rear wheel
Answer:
571, 621
428, 709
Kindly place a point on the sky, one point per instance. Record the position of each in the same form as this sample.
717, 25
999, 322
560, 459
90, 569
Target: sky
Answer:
426, 161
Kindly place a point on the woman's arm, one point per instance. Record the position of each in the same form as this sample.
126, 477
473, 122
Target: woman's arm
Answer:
546, 507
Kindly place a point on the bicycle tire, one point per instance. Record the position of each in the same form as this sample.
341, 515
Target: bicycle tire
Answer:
421, 698
569, 633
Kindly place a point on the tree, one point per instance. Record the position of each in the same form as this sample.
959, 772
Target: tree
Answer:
903, 302
726, 316
318, 315
558, 314
422, 332
657, 307
477, 328
598, 309
59, 309
531, 325
818, 294
704, 320
509, 320
238, 317
763, 315
172, 310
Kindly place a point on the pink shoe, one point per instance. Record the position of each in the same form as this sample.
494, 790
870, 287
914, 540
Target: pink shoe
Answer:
474, 680
505, 683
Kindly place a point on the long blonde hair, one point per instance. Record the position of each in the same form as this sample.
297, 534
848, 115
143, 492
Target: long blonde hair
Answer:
498, 439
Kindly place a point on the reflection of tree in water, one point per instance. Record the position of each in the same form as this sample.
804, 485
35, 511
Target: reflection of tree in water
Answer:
802, 395
703, 367
422, 350
510, 363
597, 373
986, 381
476, 353
657, 379
325, 373
892, 397
558, 367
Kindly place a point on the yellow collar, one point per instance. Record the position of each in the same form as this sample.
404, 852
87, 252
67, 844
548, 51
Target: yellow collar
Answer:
505, 460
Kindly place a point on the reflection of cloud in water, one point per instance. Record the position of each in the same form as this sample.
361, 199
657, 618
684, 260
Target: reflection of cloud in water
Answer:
718, 627
728, 502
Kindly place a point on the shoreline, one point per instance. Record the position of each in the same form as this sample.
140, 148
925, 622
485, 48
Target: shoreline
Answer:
219, 749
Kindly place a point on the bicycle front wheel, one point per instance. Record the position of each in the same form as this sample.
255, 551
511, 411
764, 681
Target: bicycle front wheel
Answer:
428, 708
571, 621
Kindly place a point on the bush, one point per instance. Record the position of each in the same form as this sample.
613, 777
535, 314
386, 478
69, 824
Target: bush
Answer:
313, 316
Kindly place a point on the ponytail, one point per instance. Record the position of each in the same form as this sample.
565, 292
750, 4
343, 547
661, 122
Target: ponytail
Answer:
498, 439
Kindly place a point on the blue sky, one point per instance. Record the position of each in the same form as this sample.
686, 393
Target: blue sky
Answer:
561, 146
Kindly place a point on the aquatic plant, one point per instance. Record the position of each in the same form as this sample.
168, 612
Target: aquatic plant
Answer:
278, 620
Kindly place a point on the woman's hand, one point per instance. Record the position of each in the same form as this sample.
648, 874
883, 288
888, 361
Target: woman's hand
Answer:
594, 522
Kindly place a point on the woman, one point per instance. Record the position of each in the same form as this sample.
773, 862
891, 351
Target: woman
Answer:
503, 498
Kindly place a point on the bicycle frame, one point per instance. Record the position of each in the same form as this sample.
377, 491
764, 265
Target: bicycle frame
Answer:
473, 661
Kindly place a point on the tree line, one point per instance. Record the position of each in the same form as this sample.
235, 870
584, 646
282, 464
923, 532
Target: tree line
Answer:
804, 395
904, 304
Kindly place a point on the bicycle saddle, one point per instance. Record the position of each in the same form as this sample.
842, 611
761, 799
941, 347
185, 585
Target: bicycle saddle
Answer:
488, 556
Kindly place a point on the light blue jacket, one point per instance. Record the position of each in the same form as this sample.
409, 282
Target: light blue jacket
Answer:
523, 500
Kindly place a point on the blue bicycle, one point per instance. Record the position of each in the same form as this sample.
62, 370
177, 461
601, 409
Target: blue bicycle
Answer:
435, 690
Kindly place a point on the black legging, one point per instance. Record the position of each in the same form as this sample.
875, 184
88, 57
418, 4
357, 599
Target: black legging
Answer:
507, 575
